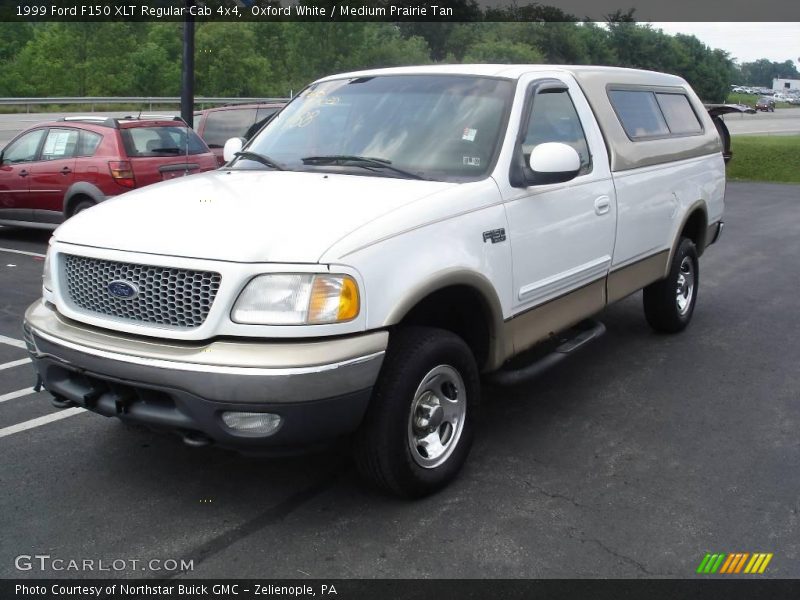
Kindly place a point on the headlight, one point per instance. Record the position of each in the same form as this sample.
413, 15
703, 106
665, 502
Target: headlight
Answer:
47, 276
297, 299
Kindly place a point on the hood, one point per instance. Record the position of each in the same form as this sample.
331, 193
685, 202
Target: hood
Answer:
243, 216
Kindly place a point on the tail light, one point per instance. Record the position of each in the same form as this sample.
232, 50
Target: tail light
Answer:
122, 173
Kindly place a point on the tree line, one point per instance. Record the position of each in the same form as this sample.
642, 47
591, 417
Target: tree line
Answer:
271, 59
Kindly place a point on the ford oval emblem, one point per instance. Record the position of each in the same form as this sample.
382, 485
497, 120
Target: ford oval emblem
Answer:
123, 289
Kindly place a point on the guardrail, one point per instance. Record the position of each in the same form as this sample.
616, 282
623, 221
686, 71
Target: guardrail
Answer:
148, 101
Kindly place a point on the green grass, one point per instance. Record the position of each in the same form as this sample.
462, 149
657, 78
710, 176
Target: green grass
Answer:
765, 158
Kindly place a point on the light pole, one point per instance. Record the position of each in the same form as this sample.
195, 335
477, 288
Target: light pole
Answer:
187, 70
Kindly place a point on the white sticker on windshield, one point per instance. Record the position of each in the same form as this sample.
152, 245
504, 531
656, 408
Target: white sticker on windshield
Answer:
469, 134
472, 161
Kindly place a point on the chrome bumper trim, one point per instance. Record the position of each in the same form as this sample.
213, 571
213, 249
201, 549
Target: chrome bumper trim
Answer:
201, 368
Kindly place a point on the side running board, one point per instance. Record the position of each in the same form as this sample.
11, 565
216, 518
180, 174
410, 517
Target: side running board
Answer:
571, 341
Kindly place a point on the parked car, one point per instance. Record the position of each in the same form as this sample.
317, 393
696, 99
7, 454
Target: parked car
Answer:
385, 240
217, 125
766, 104
56, 169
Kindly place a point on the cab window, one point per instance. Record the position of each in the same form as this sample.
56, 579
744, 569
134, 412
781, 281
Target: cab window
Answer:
553, 118
60, 143
88, 143
24, 148
225, 124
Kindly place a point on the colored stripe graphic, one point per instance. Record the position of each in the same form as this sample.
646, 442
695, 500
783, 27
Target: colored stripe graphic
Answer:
741, 563
703, 563
751, 564
727, 565
716, 564
766, 562
734, 560
732, 563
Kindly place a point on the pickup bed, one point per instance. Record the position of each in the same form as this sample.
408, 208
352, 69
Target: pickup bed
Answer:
388, 239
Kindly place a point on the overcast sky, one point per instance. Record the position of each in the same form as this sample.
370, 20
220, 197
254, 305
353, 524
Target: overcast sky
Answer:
745, 42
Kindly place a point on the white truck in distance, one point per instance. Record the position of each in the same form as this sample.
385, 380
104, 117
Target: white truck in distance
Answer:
389, 237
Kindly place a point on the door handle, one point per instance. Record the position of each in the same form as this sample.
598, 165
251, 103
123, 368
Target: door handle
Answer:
66, 171
23, 173
602, 205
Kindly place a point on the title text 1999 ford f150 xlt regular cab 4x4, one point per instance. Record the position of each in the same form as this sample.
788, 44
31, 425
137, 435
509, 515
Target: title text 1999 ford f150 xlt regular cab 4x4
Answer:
387, 238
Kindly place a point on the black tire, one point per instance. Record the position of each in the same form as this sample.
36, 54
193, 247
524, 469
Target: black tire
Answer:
383, 448
81, 206
663, 308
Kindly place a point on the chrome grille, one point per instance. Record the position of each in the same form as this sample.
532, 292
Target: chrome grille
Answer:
166, 296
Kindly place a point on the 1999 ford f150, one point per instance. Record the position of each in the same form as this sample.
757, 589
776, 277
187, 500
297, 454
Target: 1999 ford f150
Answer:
390, 236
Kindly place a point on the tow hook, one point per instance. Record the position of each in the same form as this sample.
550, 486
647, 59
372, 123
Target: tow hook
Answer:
61, 402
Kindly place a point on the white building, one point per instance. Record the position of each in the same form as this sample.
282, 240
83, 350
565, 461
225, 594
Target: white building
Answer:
784, 85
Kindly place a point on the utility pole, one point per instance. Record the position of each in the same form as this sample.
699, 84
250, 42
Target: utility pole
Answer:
187, 72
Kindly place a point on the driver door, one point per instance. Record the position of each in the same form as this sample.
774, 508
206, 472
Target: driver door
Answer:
18, 158
562, 235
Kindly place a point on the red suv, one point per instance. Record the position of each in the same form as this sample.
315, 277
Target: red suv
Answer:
217, 125
54, 170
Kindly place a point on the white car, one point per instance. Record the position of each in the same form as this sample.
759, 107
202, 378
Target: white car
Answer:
390, 237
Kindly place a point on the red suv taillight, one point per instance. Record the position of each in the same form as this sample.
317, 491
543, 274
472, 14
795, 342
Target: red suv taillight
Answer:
122, 172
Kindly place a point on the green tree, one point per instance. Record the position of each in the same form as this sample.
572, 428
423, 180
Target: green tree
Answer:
707, 71
762, 72
225, 64
499, 51
78, 59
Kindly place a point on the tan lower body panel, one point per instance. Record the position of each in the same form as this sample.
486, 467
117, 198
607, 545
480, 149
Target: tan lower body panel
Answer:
634, 277
539, 323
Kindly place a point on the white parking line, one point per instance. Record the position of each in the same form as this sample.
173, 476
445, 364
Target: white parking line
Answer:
14, 363
25, 252
17, 394
13, 342
38, 422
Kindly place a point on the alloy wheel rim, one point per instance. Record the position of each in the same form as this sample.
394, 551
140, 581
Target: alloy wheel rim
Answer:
437, 416
684, 292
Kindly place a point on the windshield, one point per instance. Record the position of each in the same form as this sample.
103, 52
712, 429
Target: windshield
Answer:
444, 128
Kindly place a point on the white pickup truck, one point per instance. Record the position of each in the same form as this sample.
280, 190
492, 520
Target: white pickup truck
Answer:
389, 237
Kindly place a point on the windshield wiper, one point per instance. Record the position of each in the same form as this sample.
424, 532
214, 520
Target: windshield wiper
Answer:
361, 161
262, 158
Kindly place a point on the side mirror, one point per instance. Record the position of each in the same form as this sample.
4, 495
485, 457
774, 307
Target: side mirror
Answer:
554, 162
2, 156
231, 147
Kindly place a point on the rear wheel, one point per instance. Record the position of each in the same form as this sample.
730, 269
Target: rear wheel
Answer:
669, 303
81, 206
418, 429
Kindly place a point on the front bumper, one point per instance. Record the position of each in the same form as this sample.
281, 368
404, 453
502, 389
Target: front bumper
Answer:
320, 388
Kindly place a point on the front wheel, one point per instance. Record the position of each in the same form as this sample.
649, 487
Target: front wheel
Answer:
669, 303
418, 429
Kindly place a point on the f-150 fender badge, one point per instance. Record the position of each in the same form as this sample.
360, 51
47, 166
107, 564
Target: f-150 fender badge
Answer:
496, 235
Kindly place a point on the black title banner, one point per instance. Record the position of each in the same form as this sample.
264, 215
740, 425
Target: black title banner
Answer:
349, 589
443, 11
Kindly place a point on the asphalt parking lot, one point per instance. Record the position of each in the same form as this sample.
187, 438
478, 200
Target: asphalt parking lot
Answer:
632, 459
